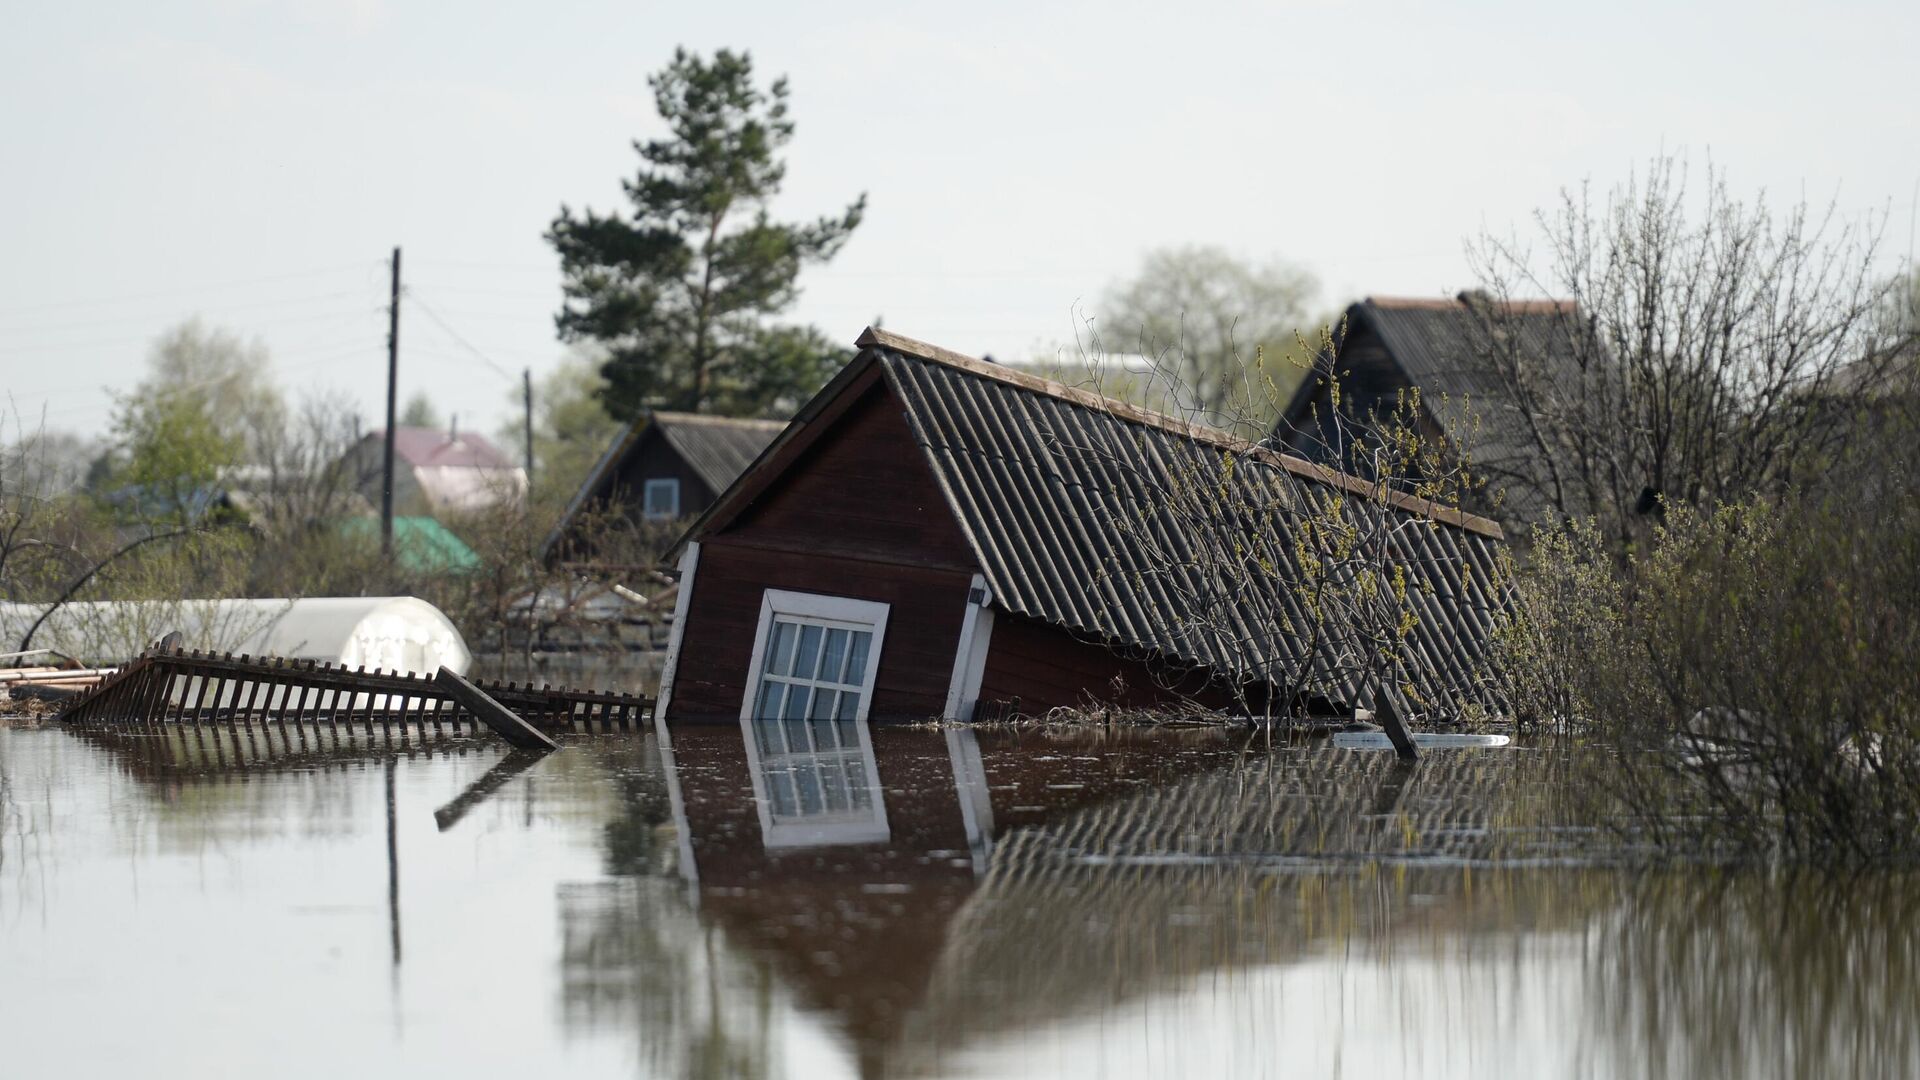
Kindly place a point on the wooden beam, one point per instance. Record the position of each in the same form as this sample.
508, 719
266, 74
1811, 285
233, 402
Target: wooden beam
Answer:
501, 719
516, 762
1387, 713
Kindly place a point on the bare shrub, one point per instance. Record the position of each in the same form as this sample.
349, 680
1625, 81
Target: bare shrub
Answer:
1707, 349
1753, 667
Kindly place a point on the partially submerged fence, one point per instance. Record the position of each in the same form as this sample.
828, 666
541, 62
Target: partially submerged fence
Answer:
175, 686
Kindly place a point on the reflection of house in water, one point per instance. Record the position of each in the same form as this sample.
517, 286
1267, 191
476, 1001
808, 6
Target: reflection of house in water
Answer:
951, 886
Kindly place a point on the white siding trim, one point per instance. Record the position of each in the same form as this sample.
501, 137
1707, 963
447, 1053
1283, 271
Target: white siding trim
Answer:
689, 562
970, 653
858, 614
873, 830
683, 832
976, 798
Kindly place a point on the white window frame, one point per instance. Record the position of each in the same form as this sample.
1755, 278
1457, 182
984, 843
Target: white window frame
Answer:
670, 484
832, 612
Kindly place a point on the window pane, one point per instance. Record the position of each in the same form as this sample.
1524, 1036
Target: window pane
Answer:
766, 732
823, 705
808, 654
849, 707
796, 708
769, 705
807, 779
859, 795
838, 797
857, 658
780, 650
662, 498
833, 661
780, 787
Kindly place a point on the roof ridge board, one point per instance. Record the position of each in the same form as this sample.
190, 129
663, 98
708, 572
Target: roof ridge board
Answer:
896, 343
671, 416
1530, 306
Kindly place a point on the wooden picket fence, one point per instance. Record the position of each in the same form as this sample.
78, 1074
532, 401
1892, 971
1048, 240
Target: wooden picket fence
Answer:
163, 686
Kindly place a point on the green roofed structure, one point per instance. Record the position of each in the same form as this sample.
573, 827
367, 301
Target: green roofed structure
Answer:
419, 543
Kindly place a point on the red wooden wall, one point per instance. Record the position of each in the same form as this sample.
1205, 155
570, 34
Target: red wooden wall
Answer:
858, 516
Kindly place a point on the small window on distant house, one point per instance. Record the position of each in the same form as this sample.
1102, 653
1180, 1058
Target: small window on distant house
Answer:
661, 500
804, 718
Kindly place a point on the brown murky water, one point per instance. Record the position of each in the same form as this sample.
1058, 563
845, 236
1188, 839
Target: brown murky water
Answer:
832, 900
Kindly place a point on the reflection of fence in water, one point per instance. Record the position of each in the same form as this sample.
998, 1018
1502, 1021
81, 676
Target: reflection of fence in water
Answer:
161, 687
214, 751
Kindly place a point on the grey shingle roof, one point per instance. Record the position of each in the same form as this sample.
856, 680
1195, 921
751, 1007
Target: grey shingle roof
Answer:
718, 448
1441, 345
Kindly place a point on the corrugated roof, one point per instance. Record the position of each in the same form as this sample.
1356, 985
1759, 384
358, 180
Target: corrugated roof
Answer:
718, 448
1062, 496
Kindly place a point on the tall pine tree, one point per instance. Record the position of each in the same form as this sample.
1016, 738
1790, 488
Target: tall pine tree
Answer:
683, 293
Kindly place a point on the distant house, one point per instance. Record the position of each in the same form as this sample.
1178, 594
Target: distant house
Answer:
1386, 346
934, 532
436, 472
664, 467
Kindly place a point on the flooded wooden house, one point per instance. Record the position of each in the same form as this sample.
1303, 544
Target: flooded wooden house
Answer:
1480, 367
661, 468
940, 536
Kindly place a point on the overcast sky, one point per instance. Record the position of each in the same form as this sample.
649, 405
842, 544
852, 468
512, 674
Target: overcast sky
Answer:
255, 162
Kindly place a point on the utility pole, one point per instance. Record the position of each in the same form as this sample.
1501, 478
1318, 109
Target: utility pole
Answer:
393, 381
526, 394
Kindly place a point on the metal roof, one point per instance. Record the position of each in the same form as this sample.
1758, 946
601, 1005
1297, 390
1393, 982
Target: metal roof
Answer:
1063, 497
432, 446
1071, 508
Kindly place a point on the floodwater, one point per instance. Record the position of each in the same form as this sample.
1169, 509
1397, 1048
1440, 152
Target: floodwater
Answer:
830, 900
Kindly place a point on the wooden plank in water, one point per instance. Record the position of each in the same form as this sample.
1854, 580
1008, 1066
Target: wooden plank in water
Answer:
491, 713
1388, 711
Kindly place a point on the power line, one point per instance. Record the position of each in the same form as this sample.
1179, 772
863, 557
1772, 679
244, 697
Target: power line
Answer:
427, 310
295, 301
325, 319
165, 293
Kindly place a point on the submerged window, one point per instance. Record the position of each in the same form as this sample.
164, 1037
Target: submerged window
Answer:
660, 501
804, 718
